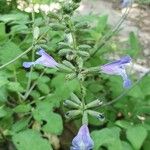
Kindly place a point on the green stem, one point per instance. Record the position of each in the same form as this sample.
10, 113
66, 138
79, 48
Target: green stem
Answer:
33, 51
33, 85
72, 34
108, 36
25, 52
19, 94
126, 91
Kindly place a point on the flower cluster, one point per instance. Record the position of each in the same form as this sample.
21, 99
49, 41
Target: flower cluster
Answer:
82, 140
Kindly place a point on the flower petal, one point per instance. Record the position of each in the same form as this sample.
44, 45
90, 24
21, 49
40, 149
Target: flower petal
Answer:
118, 68
40, 52
28, 64
127, 83
83, 140
45, 60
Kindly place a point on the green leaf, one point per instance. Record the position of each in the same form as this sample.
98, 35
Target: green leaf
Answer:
108, 137
102, 23
136, 92
44, 88
8, 52
14, 18
123, 124
134, 43
22, 108
3, 80
43, 112
126, 146
136, 135
30, 140
2, 31
145, 85
54, 124
15, 87
20, 125
3, 112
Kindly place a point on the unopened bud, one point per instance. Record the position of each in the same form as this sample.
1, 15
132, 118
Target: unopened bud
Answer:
92, 69
70, 76
68, 64
99, 116
75, 99
95, 103
80, 62
83, 53
71, 104
72, 113
64, 68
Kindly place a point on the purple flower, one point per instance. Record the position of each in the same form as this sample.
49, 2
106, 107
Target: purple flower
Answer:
82, 140
126, 3
45, 60
118, 68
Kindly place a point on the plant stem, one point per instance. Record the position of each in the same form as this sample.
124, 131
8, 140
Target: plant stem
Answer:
126, 91
19, 94
108, 36
25, 52
33, 85
33, 51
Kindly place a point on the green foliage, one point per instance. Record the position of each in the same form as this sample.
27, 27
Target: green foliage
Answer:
31, 111
30, 139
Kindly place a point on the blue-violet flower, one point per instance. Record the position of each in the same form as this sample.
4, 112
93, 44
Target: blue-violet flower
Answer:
118, 68
126, 3
82, 140
45, 60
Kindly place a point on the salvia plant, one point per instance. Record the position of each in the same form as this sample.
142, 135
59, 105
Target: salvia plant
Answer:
55, 76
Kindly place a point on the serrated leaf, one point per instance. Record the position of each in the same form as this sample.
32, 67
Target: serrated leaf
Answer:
30, 140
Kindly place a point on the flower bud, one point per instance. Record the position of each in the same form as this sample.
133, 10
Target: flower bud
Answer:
95, 103
70, 76
71, 104
92, 69
96, 114
63, 67
68, 64
75, 99
79, 61
72, 113
65, 51
83, 53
